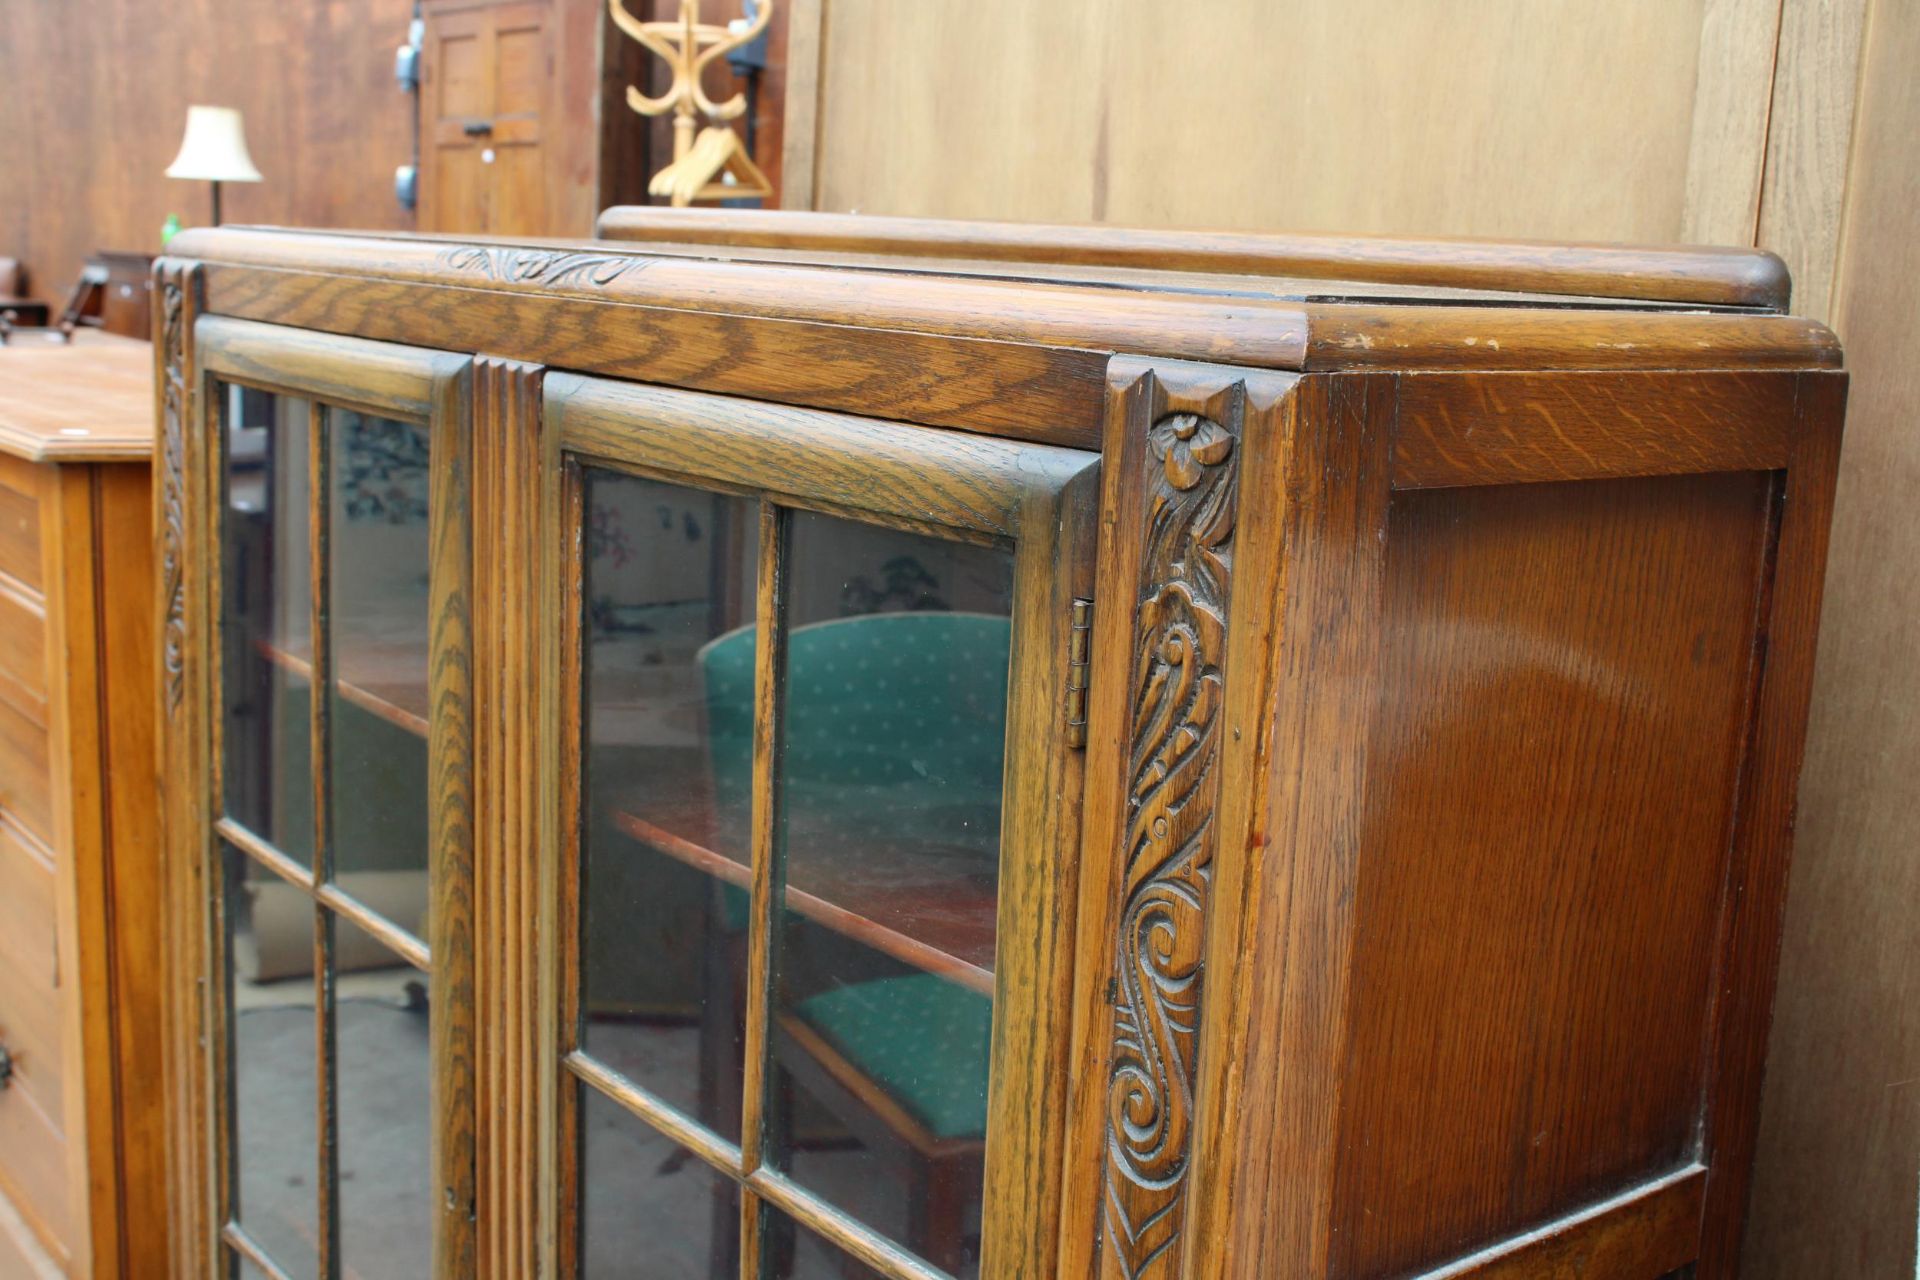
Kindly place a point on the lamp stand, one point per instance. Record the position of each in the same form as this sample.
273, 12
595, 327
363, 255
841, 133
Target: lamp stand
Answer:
216, 203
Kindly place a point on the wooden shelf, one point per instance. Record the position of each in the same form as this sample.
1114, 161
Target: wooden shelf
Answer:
398, 695
952, 922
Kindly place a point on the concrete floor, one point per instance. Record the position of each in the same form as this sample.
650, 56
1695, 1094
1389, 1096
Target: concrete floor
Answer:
650, 1212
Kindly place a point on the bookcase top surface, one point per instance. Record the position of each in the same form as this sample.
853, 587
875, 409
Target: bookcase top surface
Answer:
1275, 302
1291, 265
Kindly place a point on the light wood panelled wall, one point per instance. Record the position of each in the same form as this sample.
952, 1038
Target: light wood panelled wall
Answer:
1836, 1187
97, 96
1783, 123
1388, 116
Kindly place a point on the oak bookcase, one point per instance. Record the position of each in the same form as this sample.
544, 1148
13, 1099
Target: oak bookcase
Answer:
783, 745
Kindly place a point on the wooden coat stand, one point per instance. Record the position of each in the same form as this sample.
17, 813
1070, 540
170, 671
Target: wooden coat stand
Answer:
715, 165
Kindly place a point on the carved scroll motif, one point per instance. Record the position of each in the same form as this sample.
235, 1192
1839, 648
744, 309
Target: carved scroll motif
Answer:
173, 449
540, 266
1185, 580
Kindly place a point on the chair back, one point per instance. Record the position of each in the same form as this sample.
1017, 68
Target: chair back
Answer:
896, 718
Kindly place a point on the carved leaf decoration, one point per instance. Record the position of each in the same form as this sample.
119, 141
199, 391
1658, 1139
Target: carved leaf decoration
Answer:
1181, 632
173, 639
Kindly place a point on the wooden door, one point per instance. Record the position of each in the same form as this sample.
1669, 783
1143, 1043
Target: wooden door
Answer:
485, 95
329, 1053
816, 790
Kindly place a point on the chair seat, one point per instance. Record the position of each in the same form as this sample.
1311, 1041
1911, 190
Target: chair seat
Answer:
921, 1039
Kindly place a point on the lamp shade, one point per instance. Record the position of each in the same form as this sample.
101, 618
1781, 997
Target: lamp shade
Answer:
215, 148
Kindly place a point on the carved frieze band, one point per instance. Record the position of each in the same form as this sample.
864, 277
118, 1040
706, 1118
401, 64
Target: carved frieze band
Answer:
1186, 576
175, 283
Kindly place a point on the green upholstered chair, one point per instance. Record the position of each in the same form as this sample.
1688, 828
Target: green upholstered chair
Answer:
898, 719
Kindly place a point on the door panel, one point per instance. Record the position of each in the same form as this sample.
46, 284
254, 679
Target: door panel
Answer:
341, 904
487, 81
811, 874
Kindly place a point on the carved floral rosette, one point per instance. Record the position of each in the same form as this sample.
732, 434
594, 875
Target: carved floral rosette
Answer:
1180, 635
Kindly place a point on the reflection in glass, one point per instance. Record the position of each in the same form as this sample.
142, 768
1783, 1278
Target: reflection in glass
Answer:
649, 1207
384, 1109
794, 1253
891, 761
378, 558
276, 1160
266, 650
664, 913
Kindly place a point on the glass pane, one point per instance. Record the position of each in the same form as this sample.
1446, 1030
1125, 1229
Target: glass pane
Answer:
267, 649
896, 695
377, 557
669, 729
794, 1253
384, 1109
650, 1208
276, 1160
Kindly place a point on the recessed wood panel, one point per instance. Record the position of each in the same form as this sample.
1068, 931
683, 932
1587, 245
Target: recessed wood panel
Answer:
20, 1253
19, 526
23, 654
1565, 670
26, 778
30, 1030
33, 1170
463, 81
26, 911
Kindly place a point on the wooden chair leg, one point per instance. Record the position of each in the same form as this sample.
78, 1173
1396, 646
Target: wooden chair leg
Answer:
936, 1223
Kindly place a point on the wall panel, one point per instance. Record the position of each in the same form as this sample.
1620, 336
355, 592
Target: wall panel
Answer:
1555, 118
1839, 1164
97, 92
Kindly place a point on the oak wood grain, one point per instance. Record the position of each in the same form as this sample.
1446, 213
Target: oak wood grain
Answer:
451, 866
511, 449
1275, 1029
1361, 336
1524, 427
1409, 909
185, 479
1762, 836
1251, 331
1723, 277
937, 479
1549, 946
1650, 1230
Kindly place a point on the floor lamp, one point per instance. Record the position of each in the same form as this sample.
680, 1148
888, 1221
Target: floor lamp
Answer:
214, 150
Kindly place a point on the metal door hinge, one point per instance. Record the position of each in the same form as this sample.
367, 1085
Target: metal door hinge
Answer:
1079, 669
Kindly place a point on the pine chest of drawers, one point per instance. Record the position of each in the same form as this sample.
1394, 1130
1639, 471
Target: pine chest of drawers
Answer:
82, 1173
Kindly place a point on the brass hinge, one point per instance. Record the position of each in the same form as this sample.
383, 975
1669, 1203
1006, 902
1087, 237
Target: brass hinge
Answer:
1079, 669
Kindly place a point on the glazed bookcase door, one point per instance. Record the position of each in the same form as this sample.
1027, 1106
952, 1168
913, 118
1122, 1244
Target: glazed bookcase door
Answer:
817, 804
336, 872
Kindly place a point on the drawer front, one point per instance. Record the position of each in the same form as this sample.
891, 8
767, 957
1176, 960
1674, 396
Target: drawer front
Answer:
30, 1030
23, 654
26, 911
33, 1170
26, 776
20, 521
20, 1253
